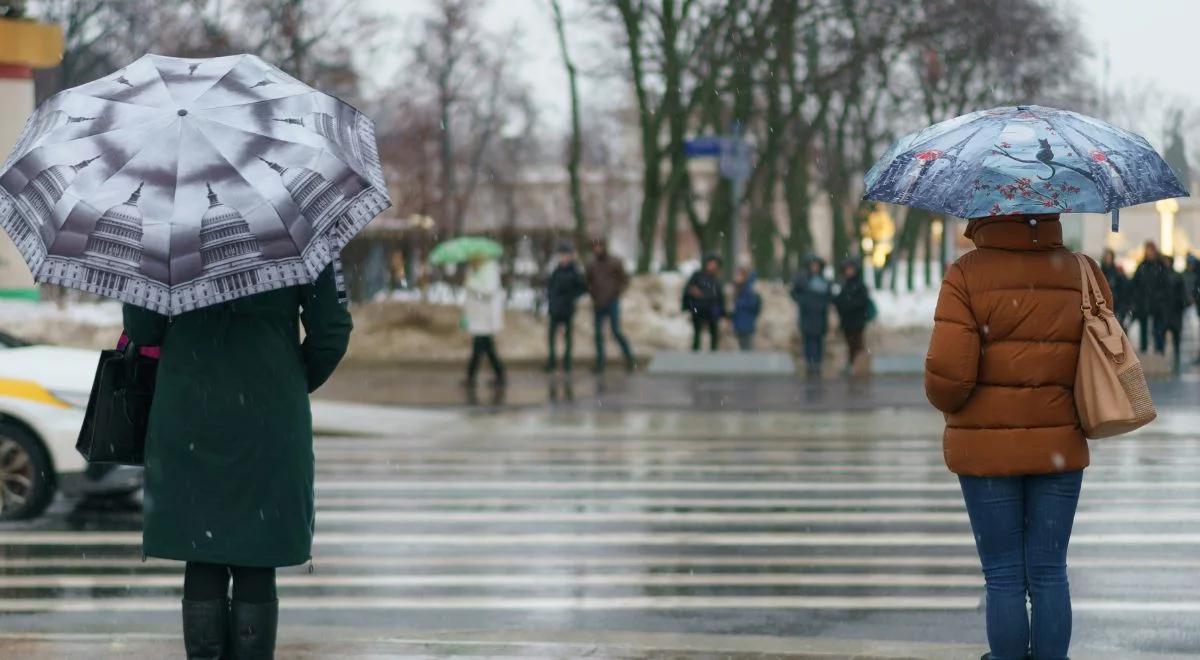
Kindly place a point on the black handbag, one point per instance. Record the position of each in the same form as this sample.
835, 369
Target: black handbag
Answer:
118, 411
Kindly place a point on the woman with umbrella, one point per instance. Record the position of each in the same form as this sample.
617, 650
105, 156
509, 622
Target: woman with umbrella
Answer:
212, 197
1007, 331
483, 306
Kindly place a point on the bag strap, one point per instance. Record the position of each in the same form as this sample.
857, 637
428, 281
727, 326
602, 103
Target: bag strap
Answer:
1092, 294
1093, 299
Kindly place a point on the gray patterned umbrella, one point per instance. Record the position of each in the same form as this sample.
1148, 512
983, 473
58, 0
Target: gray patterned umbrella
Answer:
174, 184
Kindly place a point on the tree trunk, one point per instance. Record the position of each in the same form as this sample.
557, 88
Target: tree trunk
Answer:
575, 149
799, 205
651, 198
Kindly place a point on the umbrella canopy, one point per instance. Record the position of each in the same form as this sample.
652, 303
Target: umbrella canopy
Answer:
459, 250
174, 184
1023, 159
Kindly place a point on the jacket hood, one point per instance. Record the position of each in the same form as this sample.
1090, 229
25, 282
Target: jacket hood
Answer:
1016, 232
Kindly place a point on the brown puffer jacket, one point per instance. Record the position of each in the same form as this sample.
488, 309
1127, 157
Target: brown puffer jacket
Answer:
1001, 364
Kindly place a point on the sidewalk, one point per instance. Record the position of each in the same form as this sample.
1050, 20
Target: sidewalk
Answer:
309, 643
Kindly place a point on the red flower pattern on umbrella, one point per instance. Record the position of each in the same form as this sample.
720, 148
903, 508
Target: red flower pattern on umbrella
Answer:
926, 156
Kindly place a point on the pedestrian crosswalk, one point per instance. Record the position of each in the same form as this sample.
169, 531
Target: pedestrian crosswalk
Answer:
545, 512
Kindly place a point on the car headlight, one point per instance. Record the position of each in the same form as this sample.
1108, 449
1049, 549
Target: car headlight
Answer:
73, 399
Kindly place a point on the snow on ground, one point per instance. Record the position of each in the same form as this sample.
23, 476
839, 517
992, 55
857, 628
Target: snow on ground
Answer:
406, 326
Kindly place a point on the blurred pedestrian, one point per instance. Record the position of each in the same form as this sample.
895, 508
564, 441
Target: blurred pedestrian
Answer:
1150, 287
813, 295
1193, 286
704, 299
1118, 282
1001, 365
854, 305
483, 312
747, 305
1175, 303
563, 289
229, 453
607, 281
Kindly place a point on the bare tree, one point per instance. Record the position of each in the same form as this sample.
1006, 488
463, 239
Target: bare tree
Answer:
575, 144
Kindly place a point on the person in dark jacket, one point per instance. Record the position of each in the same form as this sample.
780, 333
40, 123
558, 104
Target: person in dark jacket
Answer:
229, 453
607, 281
1118, 282
747, 305
853, 305
563, 289
704, 299
1149, 288
813, 295
1192, 281
1176, 300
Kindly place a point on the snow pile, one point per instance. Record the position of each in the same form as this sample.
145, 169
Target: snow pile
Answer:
403, 328
86, 325
400, 328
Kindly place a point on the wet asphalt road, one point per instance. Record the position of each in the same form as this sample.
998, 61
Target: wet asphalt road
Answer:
658, 506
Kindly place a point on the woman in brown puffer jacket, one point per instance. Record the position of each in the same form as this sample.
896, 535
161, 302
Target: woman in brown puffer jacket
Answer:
1001, 366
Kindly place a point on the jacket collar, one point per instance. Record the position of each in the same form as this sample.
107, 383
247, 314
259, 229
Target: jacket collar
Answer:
1017, 232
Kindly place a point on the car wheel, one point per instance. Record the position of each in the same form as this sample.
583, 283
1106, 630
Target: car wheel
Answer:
26, 478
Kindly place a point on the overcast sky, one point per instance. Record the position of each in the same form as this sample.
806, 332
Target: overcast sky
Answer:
1147, 41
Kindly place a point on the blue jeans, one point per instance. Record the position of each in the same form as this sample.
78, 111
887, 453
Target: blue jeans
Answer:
612, 313
1022, 526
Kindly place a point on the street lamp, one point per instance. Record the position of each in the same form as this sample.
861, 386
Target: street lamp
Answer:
880, 231
1167, 208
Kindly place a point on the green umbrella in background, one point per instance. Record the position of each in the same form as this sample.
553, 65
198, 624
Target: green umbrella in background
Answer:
461, 250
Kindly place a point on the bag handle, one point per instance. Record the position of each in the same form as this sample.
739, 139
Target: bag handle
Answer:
1090, 285
1093, 299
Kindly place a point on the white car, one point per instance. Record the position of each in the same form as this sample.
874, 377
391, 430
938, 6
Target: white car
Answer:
43, 394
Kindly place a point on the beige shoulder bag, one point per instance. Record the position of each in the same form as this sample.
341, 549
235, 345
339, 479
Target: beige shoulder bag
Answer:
1111, 393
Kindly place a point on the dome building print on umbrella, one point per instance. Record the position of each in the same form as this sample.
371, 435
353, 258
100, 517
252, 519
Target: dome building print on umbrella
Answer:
180, 193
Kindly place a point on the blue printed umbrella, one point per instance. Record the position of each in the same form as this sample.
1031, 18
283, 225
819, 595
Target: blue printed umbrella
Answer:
1023, 159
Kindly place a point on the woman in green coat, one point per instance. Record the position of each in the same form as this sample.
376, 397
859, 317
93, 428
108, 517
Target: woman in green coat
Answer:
229, 453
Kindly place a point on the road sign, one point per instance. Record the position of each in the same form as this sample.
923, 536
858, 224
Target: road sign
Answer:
708, 146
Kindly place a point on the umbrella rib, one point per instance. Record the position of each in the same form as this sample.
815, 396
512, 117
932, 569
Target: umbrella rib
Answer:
303, 92
345, 158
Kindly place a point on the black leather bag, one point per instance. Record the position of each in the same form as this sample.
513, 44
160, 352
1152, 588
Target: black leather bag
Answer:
118, 412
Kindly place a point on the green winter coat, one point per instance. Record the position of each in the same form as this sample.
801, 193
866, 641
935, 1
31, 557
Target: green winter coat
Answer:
229, 453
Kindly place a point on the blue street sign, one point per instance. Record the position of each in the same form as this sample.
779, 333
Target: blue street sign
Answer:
703, 147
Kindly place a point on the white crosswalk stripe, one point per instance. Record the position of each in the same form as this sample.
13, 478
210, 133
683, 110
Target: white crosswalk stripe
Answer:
551, 518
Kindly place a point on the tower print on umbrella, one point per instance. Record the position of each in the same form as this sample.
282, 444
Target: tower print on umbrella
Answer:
44, 126
328, 127
318, 198
35, 204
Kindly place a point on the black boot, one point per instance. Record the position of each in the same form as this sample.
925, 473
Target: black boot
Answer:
253, 630
204, 628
